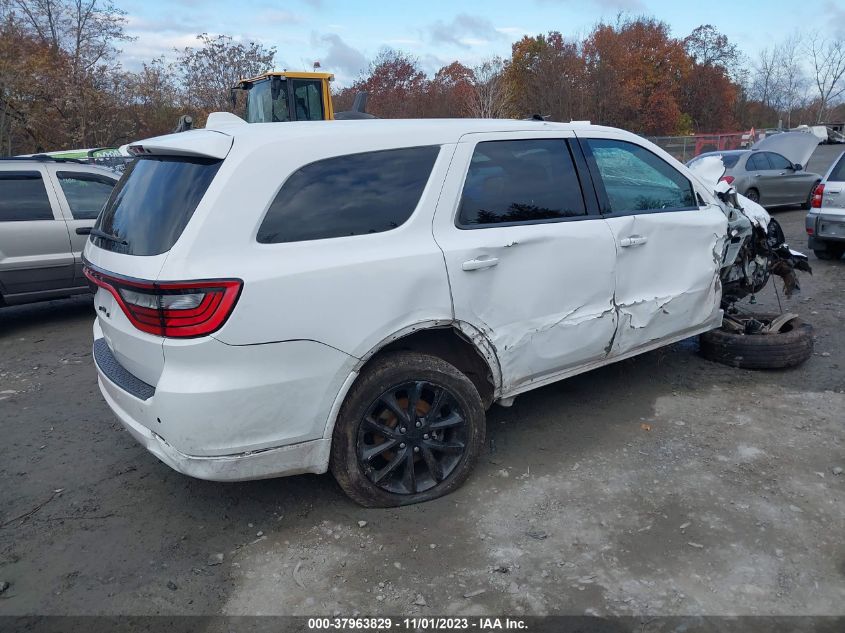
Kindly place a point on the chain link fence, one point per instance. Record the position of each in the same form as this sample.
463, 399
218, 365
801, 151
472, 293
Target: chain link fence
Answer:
685, 148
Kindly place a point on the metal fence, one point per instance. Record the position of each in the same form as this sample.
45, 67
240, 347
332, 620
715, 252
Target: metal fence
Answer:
685, 148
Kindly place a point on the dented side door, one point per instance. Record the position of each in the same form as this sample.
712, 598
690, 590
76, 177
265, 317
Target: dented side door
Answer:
669, 242
539, 289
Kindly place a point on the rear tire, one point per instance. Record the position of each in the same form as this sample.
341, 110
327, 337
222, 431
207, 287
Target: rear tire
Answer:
753, 195
385, 454
760, 351
831, 253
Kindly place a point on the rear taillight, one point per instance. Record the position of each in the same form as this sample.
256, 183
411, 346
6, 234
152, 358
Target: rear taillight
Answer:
172, 309
818, 194
727, 179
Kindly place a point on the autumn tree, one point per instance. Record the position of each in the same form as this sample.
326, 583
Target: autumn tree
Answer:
395, 84
709, 98
81, 37
635, 70
449, 92
546, 76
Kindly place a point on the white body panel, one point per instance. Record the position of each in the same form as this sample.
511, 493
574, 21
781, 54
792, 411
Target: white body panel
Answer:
259, 397
538, 305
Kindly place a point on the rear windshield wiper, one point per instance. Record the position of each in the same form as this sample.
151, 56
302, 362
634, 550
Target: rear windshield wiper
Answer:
102, 234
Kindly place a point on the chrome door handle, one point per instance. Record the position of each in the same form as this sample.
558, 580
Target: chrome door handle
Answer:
633, 240
478, 264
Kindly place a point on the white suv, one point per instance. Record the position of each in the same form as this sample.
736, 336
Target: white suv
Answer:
287, 298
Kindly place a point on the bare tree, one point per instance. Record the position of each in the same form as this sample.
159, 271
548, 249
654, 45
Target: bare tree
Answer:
765, 83
490, 97
828, 61
792, 80
209, 71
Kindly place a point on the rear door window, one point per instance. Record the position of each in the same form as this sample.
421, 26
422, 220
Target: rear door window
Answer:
520, 181
349, 195
757, 162
636, 180
152, 203
85, 193
23, 197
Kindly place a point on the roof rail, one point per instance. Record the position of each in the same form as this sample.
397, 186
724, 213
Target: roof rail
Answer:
43, 158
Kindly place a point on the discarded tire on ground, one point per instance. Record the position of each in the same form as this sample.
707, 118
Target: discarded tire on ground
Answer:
790, 346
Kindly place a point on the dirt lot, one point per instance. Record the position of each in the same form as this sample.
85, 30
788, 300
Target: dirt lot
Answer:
665, 484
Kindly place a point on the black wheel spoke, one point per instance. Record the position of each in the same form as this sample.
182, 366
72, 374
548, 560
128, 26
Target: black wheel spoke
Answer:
379, 475
377, 450
414, 399
380, 428
432, 464
390, 402
436, 404
445, 447
409, 478
453, 419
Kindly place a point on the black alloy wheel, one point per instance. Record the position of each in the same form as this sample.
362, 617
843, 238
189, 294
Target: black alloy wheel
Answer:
411, 438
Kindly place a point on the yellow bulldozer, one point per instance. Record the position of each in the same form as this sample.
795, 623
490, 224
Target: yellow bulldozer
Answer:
279, 96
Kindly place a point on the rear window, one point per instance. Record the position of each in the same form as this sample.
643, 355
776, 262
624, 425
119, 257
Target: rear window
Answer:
728, 160
349, 195
837, 174
23, 197
152, 203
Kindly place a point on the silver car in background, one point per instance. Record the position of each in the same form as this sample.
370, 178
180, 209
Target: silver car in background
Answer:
826, 219
47, 209
772, 171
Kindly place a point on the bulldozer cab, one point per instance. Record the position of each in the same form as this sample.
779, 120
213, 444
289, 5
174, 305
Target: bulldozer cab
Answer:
285, 96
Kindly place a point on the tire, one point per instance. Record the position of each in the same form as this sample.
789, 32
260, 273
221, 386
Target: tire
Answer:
759, 351
831, 253
360, 463
753, 195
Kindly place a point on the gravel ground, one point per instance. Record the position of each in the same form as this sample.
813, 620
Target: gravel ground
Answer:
662, 485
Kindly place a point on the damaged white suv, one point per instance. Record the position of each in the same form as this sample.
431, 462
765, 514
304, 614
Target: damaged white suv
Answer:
287, 298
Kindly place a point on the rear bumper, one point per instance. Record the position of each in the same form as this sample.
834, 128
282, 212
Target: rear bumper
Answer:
825, 227
294, 459
231, 413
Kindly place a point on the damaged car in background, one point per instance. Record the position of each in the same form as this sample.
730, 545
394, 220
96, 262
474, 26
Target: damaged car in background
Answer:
357, 302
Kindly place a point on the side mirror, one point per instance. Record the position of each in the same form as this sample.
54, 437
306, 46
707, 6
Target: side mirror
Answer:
797, 167
83, 230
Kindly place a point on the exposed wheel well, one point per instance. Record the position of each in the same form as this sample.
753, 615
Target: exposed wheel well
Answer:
450, 345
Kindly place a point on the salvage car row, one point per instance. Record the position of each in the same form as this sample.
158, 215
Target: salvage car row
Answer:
358, 302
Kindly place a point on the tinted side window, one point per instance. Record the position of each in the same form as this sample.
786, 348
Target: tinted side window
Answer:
86, 193
23, 197
757, 162
520, 181
637, 180
349, 195
777, 161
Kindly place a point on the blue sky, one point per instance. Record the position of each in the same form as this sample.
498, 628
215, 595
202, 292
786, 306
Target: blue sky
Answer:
344, 35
